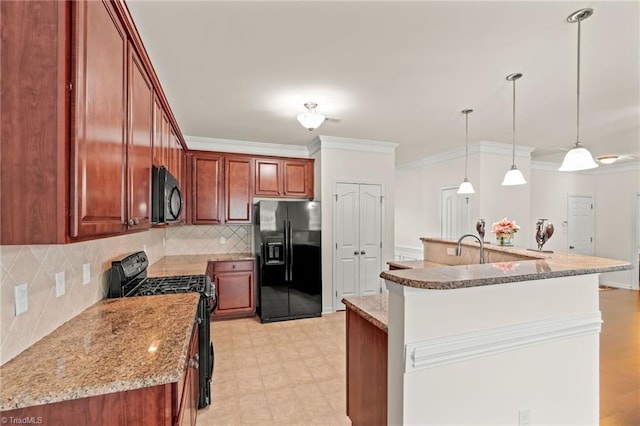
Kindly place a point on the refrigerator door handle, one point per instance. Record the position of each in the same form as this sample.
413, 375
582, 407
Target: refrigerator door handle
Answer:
286, 251
290, 244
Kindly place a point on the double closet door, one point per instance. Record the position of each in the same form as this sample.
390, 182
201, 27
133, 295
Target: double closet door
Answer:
358, 240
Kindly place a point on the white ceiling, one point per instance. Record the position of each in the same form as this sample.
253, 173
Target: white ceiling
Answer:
399, 71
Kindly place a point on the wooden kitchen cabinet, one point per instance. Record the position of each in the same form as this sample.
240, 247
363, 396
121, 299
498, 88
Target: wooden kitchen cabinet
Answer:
367, 365
98, 173
284, 177
139, 144
238, 189
74, 133
206, 189
188, 387
234, 281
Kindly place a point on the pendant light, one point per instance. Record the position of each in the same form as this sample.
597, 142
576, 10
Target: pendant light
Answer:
311, 119
513, 175
465, 186
579, 158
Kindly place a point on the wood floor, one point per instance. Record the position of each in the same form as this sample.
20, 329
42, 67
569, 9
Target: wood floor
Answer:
620, 358
294, 372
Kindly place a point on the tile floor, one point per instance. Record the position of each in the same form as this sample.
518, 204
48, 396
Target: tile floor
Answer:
293, 372
290, 372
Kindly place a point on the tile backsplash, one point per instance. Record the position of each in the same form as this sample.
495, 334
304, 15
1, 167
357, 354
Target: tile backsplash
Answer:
37, 266
212, 239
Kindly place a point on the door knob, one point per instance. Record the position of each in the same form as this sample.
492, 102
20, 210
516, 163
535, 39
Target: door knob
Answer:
571, 247
356, 252
363, 252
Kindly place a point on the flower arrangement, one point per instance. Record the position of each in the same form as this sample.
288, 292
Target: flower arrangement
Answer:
505, 226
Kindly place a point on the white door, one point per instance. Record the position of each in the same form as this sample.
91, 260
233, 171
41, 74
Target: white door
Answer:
580, 218
358, 236
455, 213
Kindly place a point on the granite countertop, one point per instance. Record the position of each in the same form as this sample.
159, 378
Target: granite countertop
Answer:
105, 349
551, 266
195, 264
374, 308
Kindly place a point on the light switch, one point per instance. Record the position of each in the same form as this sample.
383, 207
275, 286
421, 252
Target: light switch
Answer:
60, 284
22, 302
86, 273
144, 248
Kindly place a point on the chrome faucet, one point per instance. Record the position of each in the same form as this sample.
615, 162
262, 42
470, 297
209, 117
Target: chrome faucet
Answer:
459, 247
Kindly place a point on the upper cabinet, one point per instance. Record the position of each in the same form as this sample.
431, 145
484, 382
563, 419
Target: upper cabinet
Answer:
223, 185
139, 143
205, 203
284, 177
82, 127
99, 130
238, 189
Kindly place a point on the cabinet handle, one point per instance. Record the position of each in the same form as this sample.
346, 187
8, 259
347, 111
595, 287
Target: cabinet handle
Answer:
233, 266
136, 221
131, 222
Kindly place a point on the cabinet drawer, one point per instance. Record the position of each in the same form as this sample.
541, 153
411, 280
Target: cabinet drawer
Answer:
231, 265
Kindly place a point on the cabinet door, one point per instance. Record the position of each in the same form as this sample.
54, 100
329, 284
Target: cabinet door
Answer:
268, 174
188, 392
238, 190
158, 143
298, 178
139, 144
206, 186
235, 294
99, 125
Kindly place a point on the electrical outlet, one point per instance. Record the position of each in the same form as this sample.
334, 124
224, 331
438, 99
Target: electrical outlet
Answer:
60, 284
223, 240
451, 251
144, 248
22, 301
524, 417
86, 273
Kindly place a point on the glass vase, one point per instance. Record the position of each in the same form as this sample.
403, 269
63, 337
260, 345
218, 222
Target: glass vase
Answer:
505, 239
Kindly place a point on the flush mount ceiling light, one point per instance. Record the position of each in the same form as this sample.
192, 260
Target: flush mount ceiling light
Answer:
608, 159
513, 175
579, 158
465, 186
311, 119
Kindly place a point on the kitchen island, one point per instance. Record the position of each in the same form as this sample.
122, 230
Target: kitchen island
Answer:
120, 362
494, 343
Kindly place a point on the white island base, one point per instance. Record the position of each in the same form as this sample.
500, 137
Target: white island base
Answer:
506, 354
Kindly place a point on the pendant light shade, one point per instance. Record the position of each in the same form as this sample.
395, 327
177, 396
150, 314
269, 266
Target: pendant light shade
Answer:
311, 119
466, 187
578, 158
513, 176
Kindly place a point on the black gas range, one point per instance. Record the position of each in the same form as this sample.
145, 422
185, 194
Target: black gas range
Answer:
128, 278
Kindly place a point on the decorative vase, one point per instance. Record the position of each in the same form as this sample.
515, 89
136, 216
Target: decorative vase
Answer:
505, 239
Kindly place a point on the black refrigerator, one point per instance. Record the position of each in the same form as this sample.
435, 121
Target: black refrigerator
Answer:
288, 259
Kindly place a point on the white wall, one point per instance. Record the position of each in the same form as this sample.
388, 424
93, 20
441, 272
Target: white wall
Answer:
418, 192
352, 160
614, 189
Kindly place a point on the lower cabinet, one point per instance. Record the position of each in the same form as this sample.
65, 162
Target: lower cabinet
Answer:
366, 371
188, 387
171, 404
234, 281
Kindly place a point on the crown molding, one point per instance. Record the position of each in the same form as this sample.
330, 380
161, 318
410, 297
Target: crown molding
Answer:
479, 147
547, 166
351, 144
245, 147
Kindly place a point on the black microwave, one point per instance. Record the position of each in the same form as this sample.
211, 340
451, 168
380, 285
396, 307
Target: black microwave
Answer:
166, 197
